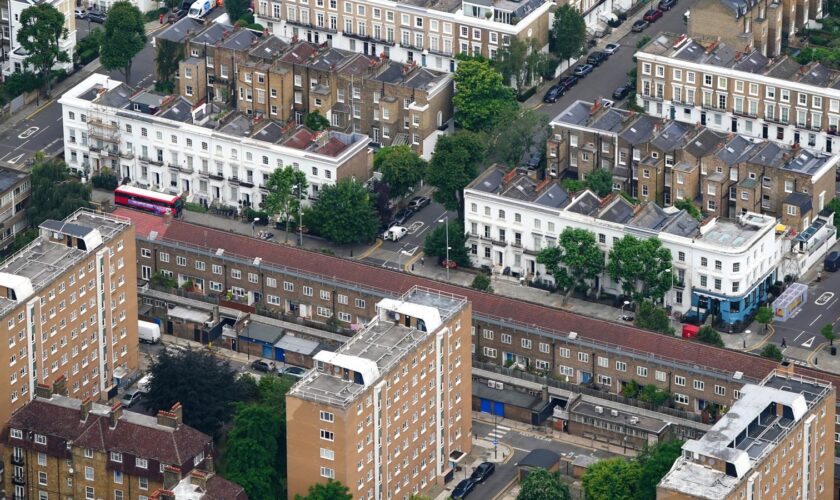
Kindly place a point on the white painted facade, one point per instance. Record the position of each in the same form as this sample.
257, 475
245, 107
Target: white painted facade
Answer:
176, 158
16, 55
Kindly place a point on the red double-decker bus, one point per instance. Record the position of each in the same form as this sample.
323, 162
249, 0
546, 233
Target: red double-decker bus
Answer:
150, 201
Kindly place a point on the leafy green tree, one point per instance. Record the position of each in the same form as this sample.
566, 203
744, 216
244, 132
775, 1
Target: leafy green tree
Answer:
568, 33
575, 261
656, 461
482, 97
401, 168
285, 186
164, 281
382, 200
631, 389
251, 447
125, 37
482, 282
55, 195
510, 61
709, 335
517, 133
88, 48
612, 479
172, 4
828, 332
540, 484
641, 267
40, 31
653, 318
193, 378
454, 165
331, 490
236, 9
19, 82
344, 213
654, 395
314, 120
689, 207
435, 244
764, 316
600, 181
771, 351
169, 55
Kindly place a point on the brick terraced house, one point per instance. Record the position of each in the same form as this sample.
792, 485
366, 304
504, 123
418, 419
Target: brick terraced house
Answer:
566, 344
15, 189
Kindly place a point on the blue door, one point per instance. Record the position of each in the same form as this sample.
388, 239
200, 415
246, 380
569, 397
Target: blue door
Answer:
279, 354
266, 351
499, 409
485, 406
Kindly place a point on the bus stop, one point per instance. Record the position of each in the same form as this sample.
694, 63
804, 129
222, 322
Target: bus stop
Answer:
789, 301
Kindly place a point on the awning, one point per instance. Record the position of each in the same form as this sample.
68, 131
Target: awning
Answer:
120, 373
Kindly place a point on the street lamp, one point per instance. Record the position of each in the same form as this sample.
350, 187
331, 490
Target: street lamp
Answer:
626, 303
445, 220
399, 262
300, 214
669, 271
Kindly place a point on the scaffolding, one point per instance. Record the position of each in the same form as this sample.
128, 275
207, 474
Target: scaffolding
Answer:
103, 139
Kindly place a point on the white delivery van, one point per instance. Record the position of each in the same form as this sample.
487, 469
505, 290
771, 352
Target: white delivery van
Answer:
148, 333
200, 8
395, 233
145, 383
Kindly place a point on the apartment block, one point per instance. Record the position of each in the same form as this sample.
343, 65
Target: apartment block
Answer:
61, 447
15, 190
728, 89
164, 143
389, 413
757, 25
69, 301
775, 441
291, 282
391, 102
15, 55
428, 33
723, 173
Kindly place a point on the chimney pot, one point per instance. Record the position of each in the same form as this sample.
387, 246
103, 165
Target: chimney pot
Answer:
87, 404
171, 477
115, 414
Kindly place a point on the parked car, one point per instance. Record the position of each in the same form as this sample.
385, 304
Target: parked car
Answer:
581, 70
130, 397
639, 26
294, 371
596, 58
403, 215
621, 92
176, 15
666, 4
554, 93
534, 160
568, 82
261, 366
394, 233
463, 489
652, 15
81, 13
418, 202
483, 471
832, 261
611, 48
96, 16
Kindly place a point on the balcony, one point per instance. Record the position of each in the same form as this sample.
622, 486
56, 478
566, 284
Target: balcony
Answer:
500, 243
18, 460
516, 244
159, 163
531, 251
233, 179
217, 177
204, 173
247, 183
187, 169
745, 114
126, 155
485, 237
776, 120
19, 480
832, 130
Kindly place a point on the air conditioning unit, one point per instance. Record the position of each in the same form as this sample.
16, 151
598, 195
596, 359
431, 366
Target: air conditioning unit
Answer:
500, 385
634, 420
573, 335
599, 410
614, 413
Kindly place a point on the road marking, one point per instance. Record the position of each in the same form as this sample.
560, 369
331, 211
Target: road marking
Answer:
808, 343
370, 250
38, 132
815, 320
15, 159
833, 302
520, 449
415, 226
824, 298
59, 118
28, 132
22, 144
797, 337
5, 155
814, 353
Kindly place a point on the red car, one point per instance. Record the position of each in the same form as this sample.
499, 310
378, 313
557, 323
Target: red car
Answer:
652, 15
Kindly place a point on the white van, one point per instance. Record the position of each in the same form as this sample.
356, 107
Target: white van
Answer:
148, 333
200, 8
395, 233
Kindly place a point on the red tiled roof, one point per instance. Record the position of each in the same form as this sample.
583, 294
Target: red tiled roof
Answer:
484, 304
332, 147
219, 488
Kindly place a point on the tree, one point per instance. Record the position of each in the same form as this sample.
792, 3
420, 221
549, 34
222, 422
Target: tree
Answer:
482, 96
771, 351
517, 133
655, 462
193, 378
172, 4
331, 490
709, 335
653, 318
88, 48
401, 168
344, 213
568, 33
641, 267
600, 181
828, 332
612, 479
654, 395
55, 195
125, 37
169, 55
285, 186
510, 61
435, 244
482, 282
689, 207
540, 484
236, 9
41, 29
382, 200
314, 120
575, 261
453, 166
764, 316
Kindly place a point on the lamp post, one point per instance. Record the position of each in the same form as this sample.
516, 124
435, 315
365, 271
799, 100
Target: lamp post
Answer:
669, 271
495, 436
445, 220
300, 214
626, 303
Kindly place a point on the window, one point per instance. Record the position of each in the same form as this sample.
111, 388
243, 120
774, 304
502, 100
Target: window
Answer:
40, 439
116, 457
699, 385
490, 352
327, 472
118, 477
16, 433
583, 357
42, 478
720, 390
641, 371
621, 366
661, 376
327, 454
327, 435
141, 463
681, 399
89, 473
327, 416
526, 343
679, 380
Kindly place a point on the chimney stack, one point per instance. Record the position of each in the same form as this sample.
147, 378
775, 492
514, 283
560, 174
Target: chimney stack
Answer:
60, 386
172, 418
115, 414
87, 404
43, 391
199, 478
171, 477
209, 464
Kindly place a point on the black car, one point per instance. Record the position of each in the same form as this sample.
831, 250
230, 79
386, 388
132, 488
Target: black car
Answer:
568, 82
534, 160
176, 15
667, 4
832, 262
96, 16
463, 489
403, 215
621, 92
554, 93
596, 58
261, 366
483, 471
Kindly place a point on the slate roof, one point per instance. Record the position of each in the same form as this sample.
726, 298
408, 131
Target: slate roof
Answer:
704, 143
539, 458
586, 203
801, 200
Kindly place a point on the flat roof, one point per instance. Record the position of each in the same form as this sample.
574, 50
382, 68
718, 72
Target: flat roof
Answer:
620, 418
